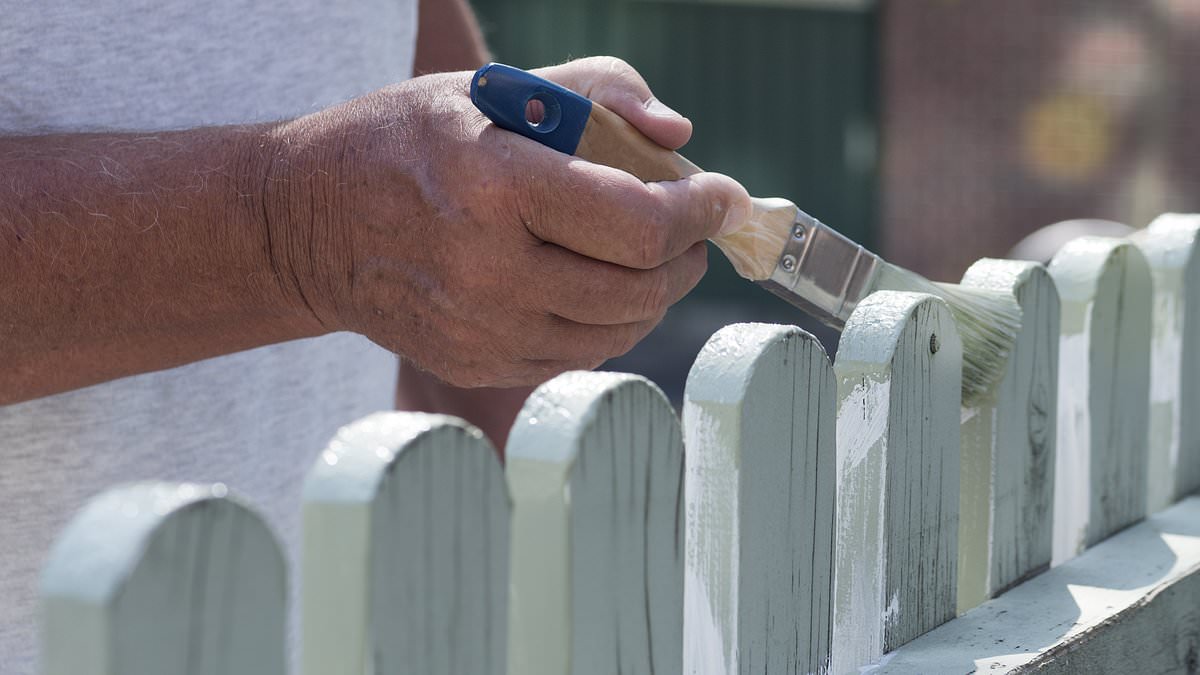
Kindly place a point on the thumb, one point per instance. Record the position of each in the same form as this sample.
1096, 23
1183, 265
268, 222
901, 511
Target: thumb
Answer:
615, 85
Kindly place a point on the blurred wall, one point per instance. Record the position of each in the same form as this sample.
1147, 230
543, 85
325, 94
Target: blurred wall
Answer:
1002, 117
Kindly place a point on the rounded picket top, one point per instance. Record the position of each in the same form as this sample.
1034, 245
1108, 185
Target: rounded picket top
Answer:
899, 373
405, 553
759, 417
595, 470
1103, 391
1170, 245
163, 579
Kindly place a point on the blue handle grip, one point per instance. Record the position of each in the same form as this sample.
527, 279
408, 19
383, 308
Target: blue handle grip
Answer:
502, 93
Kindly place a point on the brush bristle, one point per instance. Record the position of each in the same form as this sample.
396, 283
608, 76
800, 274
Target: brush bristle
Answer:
988, 322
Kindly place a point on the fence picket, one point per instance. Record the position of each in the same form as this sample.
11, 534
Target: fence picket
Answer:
1104, 386
759, 421
164, 579
1170, 246
1007, 486
405, 553
899, 372
595, 470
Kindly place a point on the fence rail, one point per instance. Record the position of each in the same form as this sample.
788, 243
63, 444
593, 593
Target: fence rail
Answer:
802, 516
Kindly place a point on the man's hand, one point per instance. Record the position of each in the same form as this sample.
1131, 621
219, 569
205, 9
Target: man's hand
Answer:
481, 256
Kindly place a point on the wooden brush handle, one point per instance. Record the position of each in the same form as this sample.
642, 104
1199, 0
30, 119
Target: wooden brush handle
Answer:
609, 140
575, 125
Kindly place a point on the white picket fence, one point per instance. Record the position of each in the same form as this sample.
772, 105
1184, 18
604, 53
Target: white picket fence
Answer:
805, 516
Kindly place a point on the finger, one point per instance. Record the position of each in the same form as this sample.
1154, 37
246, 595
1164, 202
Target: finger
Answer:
609, 215
589, 291
586, 346
617, 86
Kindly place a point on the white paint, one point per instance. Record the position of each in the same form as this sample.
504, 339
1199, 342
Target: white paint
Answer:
759, 425
862, 422
859, 580
1169, 244
897, 479
712, 542
1072, 462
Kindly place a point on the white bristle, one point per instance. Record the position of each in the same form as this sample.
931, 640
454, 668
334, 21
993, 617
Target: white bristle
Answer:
988, 322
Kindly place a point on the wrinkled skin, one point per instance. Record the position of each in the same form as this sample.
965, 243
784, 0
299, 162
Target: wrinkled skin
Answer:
483, 257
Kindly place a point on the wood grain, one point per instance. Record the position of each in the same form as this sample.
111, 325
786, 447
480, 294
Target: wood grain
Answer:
1008, 440
759, 420
164, 579
1170, 247
595, 469
405, 555
899, 373
1104, 387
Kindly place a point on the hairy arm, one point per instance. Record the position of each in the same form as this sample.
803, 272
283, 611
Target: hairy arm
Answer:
126, 253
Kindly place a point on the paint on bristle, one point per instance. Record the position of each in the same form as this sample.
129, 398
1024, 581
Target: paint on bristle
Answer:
988, 322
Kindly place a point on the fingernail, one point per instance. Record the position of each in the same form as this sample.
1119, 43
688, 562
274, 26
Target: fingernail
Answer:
659, 109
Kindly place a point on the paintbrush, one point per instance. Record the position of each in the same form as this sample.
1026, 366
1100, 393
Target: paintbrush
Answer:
782, 248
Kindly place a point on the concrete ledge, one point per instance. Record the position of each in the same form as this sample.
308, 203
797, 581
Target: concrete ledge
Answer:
1129, 604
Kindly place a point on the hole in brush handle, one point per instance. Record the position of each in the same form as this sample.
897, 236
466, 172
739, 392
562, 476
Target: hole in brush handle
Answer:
507, 96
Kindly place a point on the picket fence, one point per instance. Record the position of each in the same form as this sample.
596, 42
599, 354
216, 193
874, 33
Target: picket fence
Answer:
825, 517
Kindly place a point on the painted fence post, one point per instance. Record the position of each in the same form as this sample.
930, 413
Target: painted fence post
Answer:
164, 579
1104, 387
759, 421
595, 470
405, 553
1007, 486
899, 374
1170, 247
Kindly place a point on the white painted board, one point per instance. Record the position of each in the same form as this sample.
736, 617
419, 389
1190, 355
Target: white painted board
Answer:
899, 374
1104, 385
1130, 604
595, 470
164, 579
1008, 440
759, 420
405, 553
1170, 247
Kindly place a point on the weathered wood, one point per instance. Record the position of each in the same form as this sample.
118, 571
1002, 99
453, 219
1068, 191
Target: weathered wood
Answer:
595, 470
1007, 479
1170, 246
899, 372
1130, 604
164, 579
1103, 387
405, 555
759, 420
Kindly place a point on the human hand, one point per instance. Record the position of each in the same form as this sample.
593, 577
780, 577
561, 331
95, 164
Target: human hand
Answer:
481, 256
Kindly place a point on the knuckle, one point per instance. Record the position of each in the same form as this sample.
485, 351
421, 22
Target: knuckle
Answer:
655, 289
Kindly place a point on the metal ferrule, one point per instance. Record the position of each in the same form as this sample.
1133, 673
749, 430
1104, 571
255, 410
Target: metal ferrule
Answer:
822, 272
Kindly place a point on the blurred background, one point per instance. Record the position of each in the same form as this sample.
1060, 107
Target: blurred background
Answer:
934, 132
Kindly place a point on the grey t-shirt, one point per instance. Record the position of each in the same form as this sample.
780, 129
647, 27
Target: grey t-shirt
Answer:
253, 420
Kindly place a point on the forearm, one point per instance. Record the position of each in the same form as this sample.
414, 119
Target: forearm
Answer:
448, 38
126, 253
